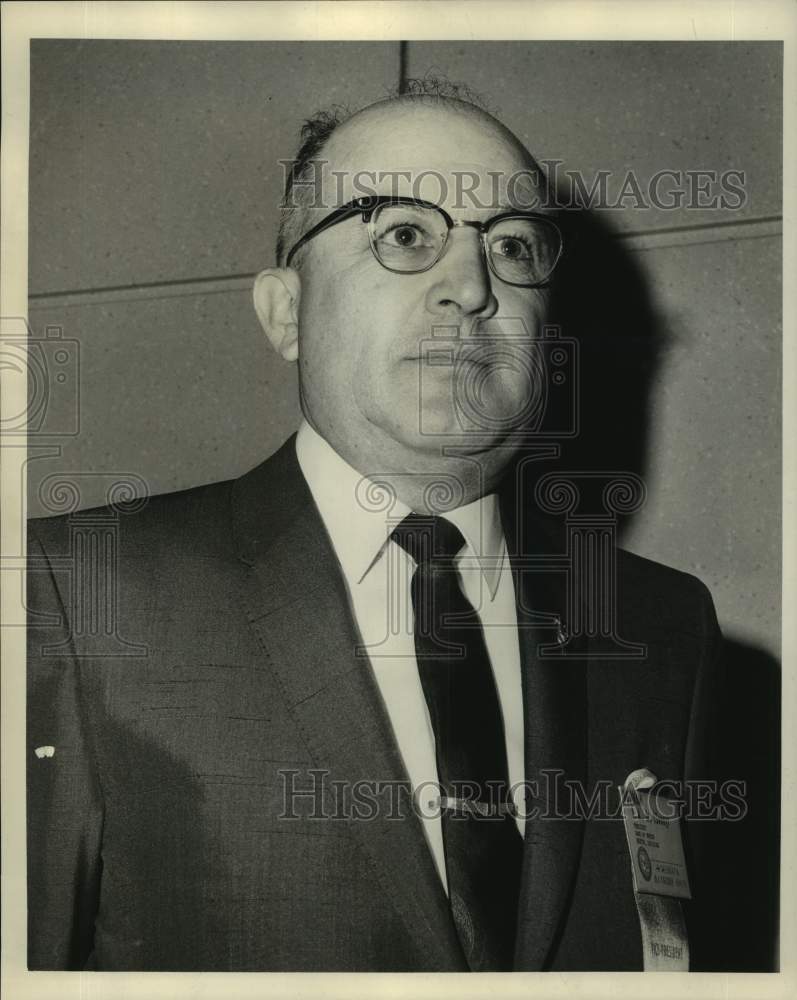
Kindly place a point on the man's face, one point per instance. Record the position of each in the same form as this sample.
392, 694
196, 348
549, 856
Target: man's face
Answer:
366, 379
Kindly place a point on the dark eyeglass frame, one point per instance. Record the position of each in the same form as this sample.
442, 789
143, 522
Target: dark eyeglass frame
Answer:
365, 207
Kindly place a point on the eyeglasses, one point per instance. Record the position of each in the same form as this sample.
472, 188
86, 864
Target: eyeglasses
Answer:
409, 236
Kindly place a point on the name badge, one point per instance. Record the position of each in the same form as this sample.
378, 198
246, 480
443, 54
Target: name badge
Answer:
653, 832
658, 867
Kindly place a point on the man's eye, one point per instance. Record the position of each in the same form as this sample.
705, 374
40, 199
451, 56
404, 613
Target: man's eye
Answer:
404, 235
511, 248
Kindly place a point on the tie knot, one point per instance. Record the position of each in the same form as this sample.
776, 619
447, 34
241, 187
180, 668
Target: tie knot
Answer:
426, 536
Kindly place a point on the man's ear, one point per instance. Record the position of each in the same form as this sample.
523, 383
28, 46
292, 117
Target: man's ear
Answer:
276, 297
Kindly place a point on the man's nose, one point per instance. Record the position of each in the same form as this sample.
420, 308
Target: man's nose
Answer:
462, 277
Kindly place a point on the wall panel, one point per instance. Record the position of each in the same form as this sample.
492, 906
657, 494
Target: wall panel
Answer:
159, 161
641, 106
714, 488
177, 390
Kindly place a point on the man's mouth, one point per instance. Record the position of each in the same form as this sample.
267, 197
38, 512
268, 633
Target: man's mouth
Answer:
432, 357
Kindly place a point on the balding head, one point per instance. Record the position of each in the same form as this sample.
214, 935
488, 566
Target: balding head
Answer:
390, 146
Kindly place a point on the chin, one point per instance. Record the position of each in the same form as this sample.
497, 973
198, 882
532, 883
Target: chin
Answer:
431, 425
434, 439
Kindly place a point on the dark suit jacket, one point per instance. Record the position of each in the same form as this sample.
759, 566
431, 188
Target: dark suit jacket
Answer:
155, 839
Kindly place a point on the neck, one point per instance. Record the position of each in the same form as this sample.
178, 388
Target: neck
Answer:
455, 483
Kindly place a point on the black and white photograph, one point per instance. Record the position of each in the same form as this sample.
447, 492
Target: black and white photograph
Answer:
395, 435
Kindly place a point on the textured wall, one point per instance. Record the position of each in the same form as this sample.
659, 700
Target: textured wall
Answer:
154, 186
153, 191
159, 161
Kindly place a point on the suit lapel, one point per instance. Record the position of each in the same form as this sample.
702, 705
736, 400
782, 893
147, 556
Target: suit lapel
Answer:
555, 718
299, 610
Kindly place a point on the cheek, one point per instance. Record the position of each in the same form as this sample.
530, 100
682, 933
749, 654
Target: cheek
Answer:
509, 385
342, 363
526, 308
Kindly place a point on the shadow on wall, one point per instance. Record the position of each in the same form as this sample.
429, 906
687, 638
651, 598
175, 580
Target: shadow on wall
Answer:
602, 300
602, 310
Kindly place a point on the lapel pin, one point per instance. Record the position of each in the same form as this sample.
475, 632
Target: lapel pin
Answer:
561, 631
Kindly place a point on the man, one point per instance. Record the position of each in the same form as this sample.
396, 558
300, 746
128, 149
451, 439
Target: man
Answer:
355, 672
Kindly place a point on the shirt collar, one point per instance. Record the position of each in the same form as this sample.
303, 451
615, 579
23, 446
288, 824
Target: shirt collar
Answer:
359, 521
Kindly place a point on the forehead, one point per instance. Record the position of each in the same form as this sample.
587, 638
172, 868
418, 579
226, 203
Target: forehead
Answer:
429, 151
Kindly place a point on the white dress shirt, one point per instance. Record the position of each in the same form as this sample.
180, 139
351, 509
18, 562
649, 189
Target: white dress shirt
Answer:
359, 516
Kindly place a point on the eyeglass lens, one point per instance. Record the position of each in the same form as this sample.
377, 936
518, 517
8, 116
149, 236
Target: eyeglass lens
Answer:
411, 238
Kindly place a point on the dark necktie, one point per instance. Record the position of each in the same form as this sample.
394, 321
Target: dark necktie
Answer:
483, 847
